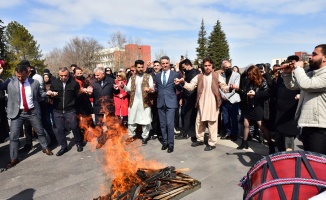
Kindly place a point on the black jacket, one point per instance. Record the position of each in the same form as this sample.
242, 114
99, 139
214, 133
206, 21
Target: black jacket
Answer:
65, 100
189, 75
262, 94
103, 96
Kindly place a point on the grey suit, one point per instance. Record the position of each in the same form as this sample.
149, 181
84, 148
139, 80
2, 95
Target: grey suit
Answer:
167, 103
18, 116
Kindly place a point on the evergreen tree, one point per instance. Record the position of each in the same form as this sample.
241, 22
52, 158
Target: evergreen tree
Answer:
22, 46
2, 43
202, 43
218, 47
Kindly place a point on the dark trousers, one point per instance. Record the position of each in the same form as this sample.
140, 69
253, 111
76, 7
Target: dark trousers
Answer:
16, 126
60, 121
167, 125
47, 114
314, 139
284, 141
156, 129
188, 117
177, 117
230, 117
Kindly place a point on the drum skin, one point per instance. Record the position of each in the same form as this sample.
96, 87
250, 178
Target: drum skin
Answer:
286, 165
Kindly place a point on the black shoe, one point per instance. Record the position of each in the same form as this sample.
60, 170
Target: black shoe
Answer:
79, 147
144, 142
181, 137
209, 147
170, 149
164, 147
244, 145
197, 143
27, 147
61, 152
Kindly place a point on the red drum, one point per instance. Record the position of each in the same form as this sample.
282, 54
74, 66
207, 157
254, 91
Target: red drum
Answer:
287, 175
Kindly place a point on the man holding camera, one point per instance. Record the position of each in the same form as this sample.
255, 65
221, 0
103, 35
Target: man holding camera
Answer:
311, 110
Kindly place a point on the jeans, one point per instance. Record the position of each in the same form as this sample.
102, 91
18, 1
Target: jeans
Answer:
16, 126
230, 117
60, 121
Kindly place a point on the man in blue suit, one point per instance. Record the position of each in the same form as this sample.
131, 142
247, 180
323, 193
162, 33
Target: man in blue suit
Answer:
167, 102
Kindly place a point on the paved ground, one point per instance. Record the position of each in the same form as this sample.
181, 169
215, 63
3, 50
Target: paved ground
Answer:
80, 175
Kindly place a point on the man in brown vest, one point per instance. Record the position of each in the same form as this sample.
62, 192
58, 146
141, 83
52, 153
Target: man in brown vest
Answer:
140, 87
208, 102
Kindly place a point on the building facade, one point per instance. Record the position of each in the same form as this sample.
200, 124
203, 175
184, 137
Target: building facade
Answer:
117, 58
303, 56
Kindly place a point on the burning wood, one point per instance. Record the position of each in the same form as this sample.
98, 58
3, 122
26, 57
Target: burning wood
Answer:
163, 184
125, 164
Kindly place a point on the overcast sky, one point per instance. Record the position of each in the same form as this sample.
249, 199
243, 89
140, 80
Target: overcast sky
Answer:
257, 30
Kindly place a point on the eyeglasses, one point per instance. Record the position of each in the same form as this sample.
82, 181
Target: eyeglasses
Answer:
132, 70
119, 75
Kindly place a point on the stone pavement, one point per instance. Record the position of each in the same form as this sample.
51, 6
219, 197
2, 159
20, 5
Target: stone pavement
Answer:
80, 175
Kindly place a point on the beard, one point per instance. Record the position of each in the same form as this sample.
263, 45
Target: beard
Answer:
313, 65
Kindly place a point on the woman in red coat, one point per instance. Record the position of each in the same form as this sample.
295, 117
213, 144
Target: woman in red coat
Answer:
121, 100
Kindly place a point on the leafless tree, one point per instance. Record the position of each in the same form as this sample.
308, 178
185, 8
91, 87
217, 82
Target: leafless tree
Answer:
80, 51
159, 54
118, 39
53, 60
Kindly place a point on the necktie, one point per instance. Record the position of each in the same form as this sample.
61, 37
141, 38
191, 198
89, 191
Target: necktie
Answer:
164, 79
24, 98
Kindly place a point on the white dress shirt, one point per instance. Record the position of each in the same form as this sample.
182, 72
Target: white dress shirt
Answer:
28, 93
167, 75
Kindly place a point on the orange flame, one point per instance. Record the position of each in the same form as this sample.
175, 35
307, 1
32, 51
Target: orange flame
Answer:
121, 161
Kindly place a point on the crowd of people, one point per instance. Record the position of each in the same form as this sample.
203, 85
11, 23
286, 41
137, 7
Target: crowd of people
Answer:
273, 104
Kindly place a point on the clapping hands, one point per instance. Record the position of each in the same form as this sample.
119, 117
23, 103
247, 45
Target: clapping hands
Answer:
51, 94
178, 81
235, 87
251, 94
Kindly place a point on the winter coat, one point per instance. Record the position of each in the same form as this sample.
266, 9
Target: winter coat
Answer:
121, 104
311, 110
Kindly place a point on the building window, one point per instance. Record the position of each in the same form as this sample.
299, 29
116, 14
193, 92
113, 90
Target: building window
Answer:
277, 62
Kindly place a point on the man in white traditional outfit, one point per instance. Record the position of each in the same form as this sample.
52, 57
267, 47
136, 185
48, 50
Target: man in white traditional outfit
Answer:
208, 102
140, 87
